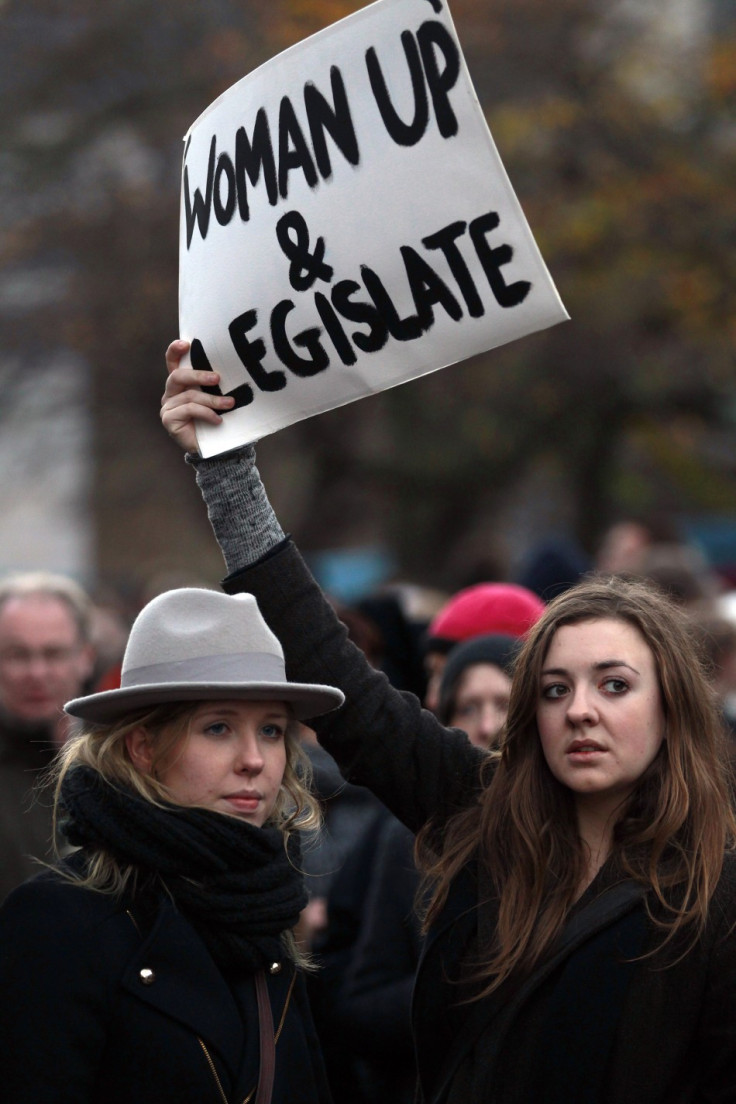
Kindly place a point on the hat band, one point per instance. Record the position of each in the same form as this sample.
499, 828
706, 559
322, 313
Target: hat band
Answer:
242, 667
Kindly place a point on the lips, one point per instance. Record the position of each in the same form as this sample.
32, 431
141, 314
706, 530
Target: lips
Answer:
583, 747
245, 801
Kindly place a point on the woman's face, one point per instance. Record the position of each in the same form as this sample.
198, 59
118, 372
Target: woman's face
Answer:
232, 760
599, 712
481, 702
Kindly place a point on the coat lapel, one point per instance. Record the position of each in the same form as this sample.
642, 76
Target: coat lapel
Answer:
173, 971
604, 910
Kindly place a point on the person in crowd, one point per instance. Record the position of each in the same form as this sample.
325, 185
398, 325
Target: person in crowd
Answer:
46, 656
110, 628
477, 610
375, 1000
582, 880
338, 861
347, 813
552, 566
476, 685
627, 541
352, 1079
718, 644
373, 1009
655, 550
157, 960
401, 612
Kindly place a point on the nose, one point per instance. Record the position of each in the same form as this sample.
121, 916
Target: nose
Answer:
581, 709
249, 755
491, 721
38, 667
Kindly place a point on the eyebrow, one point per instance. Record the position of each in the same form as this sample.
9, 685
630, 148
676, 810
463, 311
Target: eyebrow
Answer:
603, 665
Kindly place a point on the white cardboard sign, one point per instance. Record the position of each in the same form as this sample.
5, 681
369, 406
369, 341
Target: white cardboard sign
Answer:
347, 224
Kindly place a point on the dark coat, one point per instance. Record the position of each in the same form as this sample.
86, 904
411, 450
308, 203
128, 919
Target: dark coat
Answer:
668, 1036
376, 998
101, 1007
375, 1001
26, 823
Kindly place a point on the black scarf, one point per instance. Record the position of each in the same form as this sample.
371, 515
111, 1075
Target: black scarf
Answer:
233, 881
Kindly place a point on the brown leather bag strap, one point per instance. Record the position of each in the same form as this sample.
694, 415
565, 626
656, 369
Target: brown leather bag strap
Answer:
268, 1047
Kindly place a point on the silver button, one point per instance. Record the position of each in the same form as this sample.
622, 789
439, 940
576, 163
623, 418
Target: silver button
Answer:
147, 976
274, 968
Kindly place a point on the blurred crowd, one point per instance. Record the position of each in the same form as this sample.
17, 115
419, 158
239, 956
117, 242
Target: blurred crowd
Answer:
455, 651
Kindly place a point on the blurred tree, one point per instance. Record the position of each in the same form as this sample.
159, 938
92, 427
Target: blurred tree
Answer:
628, 186
96, 100
632, 199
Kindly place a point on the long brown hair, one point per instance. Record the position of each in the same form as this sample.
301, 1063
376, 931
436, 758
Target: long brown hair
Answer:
672, 830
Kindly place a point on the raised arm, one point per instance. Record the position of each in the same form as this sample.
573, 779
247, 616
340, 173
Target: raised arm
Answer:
381, 738
244, 524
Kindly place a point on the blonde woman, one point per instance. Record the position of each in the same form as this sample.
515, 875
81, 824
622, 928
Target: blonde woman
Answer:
581, 930
156, 961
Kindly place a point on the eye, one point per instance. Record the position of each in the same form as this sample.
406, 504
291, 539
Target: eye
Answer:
554, 691
466, 709
273, 731
615, 685
217, 728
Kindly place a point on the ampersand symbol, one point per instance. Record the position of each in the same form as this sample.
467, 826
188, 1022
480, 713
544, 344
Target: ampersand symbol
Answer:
305, 267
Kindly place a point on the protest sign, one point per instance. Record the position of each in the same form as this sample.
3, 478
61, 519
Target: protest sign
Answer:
347, 224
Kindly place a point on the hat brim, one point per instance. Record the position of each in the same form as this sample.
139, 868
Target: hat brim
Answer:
307, 699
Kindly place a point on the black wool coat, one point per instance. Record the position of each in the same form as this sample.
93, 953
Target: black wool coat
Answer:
26, 823
589, 1027
99, 1006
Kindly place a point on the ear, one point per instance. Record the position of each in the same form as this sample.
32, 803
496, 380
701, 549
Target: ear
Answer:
138, 743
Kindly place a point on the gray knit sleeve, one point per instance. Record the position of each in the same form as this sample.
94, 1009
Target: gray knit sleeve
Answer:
241, 516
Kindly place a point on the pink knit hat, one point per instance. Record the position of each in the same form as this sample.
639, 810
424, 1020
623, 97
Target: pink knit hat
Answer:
484, 608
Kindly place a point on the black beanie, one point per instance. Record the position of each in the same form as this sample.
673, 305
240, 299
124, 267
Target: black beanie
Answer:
496, 648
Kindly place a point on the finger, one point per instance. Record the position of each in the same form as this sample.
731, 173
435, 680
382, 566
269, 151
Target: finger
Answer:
176, 350
179, 421
176, 418
195, 399
181, 379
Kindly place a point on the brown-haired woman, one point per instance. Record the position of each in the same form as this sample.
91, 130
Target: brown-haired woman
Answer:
581, 941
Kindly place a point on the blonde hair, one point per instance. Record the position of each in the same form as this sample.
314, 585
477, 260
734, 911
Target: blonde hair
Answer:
671, 833
104, 749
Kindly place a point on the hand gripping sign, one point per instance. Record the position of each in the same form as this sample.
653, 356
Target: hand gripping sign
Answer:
347, 224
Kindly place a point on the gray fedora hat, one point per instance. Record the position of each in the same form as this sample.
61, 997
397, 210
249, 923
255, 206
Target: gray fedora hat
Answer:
193, 644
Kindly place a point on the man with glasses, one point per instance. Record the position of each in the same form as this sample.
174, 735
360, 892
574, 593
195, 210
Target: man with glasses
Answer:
46, 659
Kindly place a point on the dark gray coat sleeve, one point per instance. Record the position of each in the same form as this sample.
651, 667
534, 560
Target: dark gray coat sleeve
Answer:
381, 738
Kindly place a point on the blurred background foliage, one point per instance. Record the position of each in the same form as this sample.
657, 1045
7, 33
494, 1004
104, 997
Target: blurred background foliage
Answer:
616, 121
